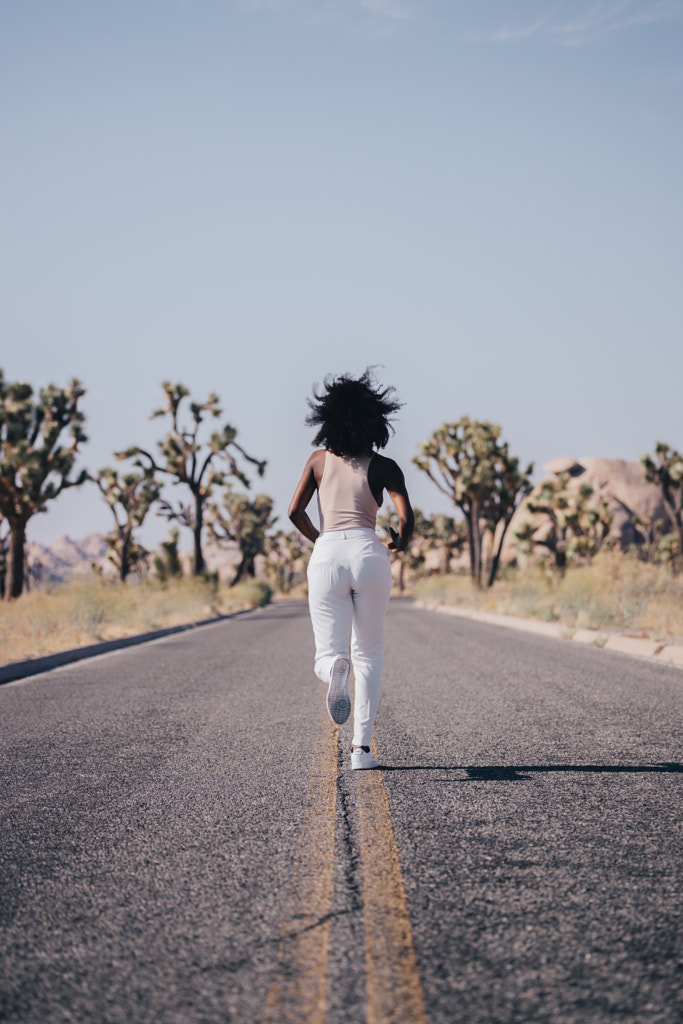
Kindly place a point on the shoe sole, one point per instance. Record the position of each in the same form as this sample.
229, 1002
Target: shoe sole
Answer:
364, 767
338, 700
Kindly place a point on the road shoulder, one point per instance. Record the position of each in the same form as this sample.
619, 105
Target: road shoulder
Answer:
670, 654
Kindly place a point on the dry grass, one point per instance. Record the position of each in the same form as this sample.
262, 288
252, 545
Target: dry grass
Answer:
299, 592
86, 612
617, 592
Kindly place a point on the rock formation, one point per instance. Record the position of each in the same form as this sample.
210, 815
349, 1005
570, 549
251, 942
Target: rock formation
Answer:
618, 482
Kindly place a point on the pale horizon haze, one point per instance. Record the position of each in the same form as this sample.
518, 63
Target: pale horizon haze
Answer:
482, 200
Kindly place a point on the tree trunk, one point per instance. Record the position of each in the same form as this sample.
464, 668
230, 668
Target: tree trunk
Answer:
470, 542
3, 565
677, 524
15, 567
125, 537
677, 563
124, 567
244, 569
199, 564
495, 560
475, 543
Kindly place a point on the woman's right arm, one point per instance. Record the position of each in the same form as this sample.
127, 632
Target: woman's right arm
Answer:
305, 490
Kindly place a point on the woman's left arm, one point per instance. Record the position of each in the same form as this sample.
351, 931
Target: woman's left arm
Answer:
394, 482
305, 490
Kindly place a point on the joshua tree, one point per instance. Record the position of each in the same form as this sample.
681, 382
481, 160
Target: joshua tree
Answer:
167, 564
413, 556
287, 556
201, 466
650, 531
512, 486
34, 467
130, 498
575, 527
4, 547
470, 466
667, 471
669, 551
444, 534
244, 521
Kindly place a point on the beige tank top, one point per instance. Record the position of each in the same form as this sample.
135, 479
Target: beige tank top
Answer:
345, 501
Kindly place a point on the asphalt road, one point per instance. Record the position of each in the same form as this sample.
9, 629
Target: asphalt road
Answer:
155, 803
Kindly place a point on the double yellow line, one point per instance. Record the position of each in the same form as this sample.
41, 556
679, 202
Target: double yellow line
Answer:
299, 989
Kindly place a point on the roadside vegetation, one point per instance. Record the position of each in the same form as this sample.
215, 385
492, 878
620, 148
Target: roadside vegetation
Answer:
95, 609
567, 559
616, 592
555, 550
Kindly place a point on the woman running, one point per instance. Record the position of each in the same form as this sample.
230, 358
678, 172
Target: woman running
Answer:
349, 574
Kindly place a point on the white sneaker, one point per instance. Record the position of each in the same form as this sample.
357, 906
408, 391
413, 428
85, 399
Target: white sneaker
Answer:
338, 699
361, 758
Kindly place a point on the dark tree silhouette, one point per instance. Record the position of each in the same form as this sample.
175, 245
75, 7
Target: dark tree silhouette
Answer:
287, 557
130, 498
413, 557
446, 535
200, 465
34, 467
468, 463
574, 526
667, 471
167, 564
245, 521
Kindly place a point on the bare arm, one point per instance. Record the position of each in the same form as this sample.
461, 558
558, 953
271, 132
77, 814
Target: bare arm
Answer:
388, 475
305, 489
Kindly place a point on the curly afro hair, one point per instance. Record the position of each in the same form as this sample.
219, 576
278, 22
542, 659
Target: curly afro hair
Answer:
353, 414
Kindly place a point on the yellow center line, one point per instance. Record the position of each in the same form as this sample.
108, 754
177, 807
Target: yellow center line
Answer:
298, 992
393, 988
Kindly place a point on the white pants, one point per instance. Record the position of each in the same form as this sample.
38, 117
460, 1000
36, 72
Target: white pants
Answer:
349, 582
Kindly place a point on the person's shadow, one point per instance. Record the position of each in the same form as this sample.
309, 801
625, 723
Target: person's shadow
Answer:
523, 772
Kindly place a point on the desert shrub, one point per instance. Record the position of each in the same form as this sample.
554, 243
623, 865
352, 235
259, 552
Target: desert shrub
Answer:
615, 592
257, 593
85, 611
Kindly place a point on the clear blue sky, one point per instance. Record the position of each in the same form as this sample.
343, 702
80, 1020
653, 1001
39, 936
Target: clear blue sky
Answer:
245, 195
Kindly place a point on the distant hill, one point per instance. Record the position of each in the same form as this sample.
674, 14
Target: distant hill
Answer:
68, 559
618, 482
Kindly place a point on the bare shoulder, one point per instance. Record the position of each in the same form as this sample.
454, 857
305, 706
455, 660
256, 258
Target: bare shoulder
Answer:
388, 473
305, 489
316, 464
317, 456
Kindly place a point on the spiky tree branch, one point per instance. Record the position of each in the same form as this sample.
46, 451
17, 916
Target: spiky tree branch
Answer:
667, 471
244, 521
287, 557
574, 527
34, 466
468, 463
413, 557
446, 535
130, 498
200, 465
